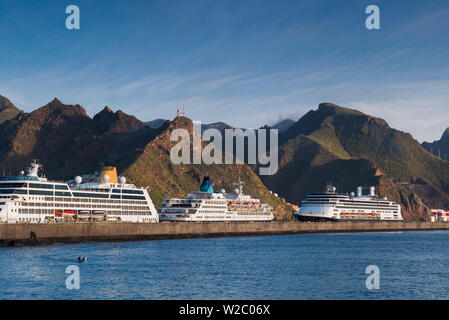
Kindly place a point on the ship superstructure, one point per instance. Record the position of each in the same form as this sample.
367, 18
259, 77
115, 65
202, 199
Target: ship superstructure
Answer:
30, 198
207, 205
331, 206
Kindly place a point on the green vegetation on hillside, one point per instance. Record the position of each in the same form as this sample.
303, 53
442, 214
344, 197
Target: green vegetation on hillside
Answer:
351, 148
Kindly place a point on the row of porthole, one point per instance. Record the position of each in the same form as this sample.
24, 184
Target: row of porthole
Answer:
28, 219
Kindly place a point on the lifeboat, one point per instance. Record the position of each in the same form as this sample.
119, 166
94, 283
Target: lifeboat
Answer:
68, 213
83, 214
58, 213
97, 214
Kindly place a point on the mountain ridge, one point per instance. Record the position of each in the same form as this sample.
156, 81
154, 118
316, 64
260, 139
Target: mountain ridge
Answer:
68, 142
8, 110
439, 148
330, 143
353, 148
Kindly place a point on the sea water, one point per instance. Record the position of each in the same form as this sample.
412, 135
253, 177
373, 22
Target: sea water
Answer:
412, 265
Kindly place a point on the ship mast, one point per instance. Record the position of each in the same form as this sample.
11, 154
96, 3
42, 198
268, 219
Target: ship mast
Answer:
239, 184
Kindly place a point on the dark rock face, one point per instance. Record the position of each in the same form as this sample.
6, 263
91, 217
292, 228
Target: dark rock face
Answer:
157, 123
7, 110
68, 141
284, 125
439, 148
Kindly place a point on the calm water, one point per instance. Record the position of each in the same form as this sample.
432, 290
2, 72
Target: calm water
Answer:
413, 265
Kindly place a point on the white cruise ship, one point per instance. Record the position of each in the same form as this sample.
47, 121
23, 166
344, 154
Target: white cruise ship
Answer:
29, 198
207, 205
330, 206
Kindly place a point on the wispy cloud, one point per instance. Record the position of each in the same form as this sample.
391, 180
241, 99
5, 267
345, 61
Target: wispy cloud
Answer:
242, 63
420, 108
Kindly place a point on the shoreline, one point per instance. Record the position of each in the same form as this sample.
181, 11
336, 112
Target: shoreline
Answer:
37, 234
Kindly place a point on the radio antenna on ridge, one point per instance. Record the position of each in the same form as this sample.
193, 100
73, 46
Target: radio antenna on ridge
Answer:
181, 111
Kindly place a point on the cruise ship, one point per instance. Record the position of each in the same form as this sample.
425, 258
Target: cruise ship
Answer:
30, 198
331, 206
207, 205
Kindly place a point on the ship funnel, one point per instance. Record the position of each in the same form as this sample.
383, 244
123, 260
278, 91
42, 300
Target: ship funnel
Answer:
372, 191
359, 191
111, 172
206, 185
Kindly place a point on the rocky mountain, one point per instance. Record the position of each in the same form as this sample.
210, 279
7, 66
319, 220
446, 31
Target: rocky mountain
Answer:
331, 143
154, 169
439, 148
157, 123
351, 148
283, 125
7, 110
68, 143
220, 126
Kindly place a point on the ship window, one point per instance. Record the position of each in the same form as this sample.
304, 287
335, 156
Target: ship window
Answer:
65, 194
18, 178
7, 191
133, 197
90, 195
132, 191
42, 193
61, 187
116, 190
12, 185
41, 186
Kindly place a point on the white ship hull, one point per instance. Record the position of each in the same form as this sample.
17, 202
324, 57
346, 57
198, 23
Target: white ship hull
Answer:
209, 206
31, 199
329, 206
215, 218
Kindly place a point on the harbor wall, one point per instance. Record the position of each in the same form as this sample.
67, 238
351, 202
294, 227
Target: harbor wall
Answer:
29, 234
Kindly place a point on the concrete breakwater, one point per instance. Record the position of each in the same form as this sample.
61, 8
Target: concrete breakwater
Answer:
29, 234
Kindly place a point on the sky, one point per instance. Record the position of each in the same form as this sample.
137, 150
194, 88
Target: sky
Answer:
247, 63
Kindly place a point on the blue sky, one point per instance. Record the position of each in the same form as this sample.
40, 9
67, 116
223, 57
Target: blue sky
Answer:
246, 63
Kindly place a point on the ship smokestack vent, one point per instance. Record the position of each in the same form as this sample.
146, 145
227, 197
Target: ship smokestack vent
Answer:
206, 185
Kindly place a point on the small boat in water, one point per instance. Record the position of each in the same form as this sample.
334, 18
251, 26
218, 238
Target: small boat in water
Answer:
82, 259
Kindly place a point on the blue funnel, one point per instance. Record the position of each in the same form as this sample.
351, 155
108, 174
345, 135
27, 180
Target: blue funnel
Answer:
206, 185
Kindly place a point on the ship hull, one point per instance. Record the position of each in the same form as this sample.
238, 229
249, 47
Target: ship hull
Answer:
305, 218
